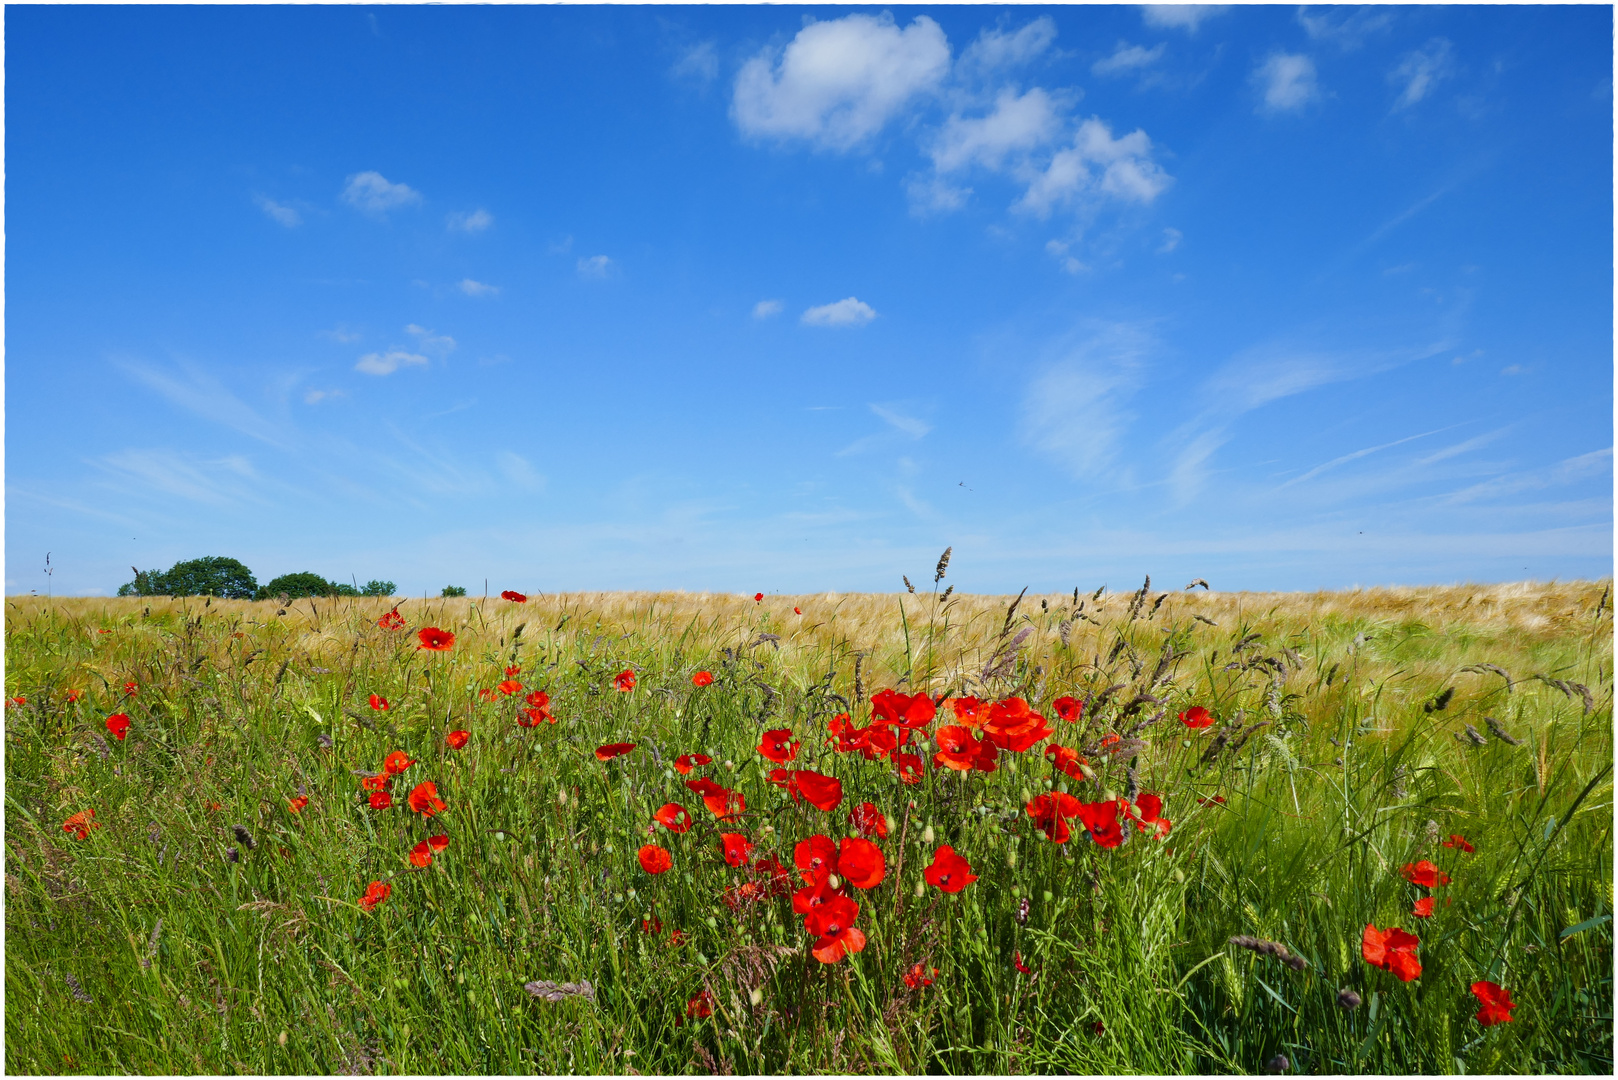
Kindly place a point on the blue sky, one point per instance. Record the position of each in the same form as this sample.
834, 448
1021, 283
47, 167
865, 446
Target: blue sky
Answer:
791, 298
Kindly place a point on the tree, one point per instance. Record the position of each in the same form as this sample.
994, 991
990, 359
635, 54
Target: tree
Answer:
293, 586
378, 588
213, 575
453, 590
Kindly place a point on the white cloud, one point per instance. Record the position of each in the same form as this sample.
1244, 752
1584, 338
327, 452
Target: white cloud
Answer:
839, 82
596, 266
427, 341
315, 397
1171, 240
371, 192
1186, 17
469, 221
765, 309
389, 362
700, 61
1018, 124
1288, 82
847, 312
1419, 71
217, 482
908, 424
1126, 170
995, 50
1126, 58
1074, 409
1347, 28
281, 214
478, 288
519, 472
1058, 250
935, 195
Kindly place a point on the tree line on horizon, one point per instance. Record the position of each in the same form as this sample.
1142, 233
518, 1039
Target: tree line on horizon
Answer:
230, 579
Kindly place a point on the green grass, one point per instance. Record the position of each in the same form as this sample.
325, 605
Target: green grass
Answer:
142, 949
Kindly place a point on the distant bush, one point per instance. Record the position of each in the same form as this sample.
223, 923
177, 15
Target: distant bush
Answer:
293, 586
453, 590
213, 575
378, 588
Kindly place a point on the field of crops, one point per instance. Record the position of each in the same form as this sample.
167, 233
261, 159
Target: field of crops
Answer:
1131, 832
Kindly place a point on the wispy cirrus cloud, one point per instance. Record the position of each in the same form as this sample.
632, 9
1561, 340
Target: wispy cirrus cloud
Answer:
202, 394
1076, 408
1419, 71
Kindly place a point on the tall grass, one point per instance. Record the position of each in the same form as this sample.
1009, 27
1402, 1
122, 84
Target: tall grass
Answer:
144, 948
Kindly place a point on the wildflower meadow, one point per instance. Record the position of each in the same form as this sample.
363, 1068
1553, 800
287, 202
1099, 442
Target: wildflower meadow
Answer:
1136, 831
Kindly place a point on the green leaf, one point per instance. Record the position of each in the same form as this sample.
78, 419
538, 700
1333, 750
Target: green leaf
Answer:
1587, 924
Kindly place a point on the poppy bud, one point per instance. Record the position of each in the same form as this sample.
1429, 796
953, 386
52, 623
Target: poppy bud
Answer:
1348, 999
1049, 896
561, 797
232, 855
927, 835
756, 996
921, 890
1011, 863
1278, 1064
1109, 795
1179, 876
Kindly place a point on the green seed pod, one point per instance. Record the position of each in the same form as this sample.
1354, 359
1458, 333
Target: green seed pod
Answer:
1049, 896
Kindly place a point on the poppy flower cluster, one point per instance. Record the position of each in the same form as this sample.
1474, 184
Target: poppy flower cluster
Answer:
1103, 820
829, 869
1494, 1003
422, 854
538, 709
392, 621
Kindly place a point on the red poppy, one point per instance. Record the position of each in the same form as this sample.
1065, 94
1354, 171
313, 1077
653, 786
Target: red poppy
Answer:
1066, 760
1494, 1002
781, 778
1459, 842
438, 843
949, 871
435, 639
539, 699
1101, 818
833, 923
757, 597
421, 855
1392, 950
702, 678
686, 762
514, 597
960, 750
509, 687
130, 688
624, 681
673, 817
777, 881
80, 824
1069, 709
1013, 726
1150, 806
379, 703
457, 739
869, 820
488, 694
297, 804
700, 1006
654, 860
797, 611
917, 977
727, 805
738, 849
891, 707
1016, 962
513, 670
860, 863
815, 857
395, 763
118, 724
1423, 908
705, 787
374, 783
821, 792
424, 799
818, 892
380, 800
909, 766
73, 695
1110, 740
612, 750
654, 925
1220, 799
16, 702
392, 621
1196, 717
375, 893
969, 711
778, 745
677, 938
1424, 873
1050, 812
